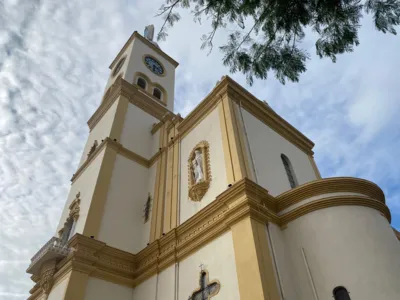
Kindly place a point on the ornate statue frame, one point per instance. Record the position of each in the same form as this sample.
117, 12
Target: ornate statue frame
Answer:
73, 215
198, 190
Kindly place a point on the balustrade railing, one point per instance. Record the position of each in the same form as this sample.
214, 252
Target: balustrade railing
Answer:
54, 248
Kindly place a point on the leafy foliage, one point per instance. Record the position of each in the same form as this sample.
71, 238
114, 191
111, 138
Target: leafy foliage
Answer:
272, 42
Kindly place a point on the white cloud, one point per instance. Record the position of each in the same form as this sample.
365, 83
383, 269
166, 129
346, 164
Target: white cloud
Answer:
54, 59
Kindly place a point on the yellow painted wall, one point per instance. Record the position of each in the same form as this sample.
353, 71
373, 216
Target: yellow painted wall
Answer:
146, 290
208, 129
123, 70
122, 224
58, 290
219, 260
84, 184
157, 287
352, 246
100, 131
166, 284
98, 289
266, 147
136, 134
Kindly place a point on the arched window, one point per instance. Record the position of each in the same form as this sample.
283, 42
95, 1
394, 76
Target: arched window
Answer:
289, 171
157, 93
119, 66
340, 293
141, 82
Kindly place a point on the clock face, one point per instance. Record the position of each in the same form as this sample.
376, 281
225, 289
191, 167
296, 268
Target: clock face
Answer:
154, 65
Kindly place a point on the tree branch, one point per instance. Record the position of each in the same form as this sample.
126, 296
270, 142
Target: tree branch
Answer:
198, 13
247, 35
212, 33
166, 8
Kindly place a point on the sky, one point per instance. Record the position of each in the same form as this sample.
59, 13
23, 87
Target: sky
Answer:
54, 58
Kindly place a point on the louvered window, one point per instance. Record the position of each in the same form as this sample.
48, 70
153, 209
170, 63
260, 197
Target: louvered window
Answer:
157, 93
141, 82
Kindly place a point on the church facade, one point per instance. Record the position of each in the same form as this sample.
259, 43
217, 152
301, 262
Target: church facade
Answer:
226, 203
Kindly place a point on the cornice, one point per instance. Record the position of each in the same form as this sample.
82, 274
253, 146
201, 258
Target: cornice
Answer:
156, 127
122, 88
329, 185
202, 109
102, 261
36, 293
335, 201
88, 161
142, 100
243, 199
267, 115
108, 142
112, 94
227, 87
134, 35
156, 156
130, 154
174, 120
396, 233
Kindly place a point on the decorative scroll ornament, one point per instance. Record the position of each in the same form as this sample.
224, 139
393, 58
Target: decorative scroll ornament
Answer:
73, 216
93, 148
199, 171
46, 276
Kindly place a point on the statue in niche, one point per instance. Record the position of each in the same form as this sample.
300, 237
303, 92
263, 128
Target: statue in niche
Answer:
199, 171
197, 163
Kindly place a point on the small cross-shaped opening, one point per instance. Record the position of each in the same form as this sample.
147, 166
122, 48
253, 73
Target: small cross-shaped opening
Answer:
147, 208
206, 290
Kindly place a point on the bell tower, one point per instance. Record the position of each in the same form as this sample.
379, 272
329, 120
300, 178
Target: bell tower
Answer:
227, 203
113, 189
142, 62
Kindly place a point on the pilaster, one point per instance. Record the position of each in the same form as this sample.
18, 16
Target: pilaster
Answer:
234, 152
315, 167
76, 286
172, 184
99, 197
95, 213
254, 263
157, 217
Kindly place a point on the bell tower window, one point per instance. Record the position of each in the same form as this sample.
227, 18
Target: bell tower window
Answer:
157, 93
118, 66
141, 83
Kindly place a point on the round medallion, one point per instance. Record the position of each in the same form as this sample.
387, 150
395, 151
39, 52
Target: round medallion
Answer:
119, 66
154, 65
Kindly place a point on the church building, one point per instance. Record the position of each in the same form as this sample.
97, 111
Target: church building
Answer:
224, 204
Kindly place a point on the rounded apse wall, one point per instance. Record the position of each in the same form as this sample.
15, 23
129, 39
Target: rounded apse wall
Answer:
350, 246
